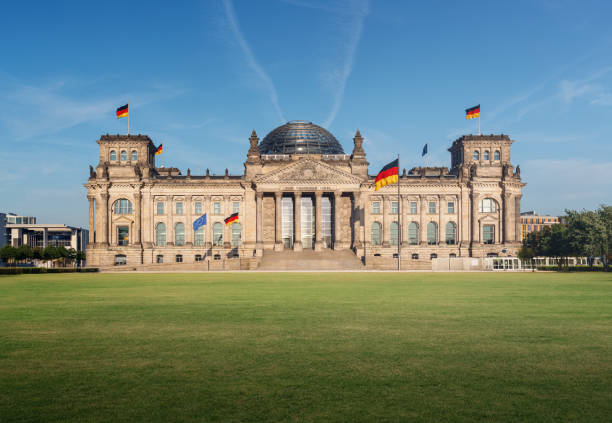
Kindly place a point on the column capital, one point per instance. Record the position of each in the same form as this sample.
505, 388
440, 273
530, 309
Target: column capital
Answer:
298, 194
318, 194
104, 195
259, 194
278, 194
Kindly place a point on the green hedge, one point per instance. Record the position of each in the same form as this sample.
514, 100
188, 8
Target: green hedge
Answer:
29, 270
573, 268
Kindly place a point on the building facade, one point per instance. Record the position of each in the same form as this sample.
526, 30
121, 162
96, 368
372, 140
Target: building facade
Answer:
533, 222
300, 191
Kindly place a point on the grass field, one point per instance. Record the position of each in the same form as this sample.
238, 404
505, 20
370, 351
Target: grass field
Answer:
306, 347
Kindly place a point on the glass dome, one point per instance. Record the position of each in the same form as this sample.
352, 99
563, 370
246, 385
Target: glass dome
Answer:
300, 137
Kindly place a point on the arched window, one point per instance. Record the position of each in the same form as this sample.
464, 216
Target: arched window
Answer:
413, 233
432, 233
486, 155
160, 235
394, 233
134, 155
123, 206
123, 155
496, 155
113, 155
375, 233
451, 231
236, 234
476, 155
218, 234
179, 234
198, 239
487, 205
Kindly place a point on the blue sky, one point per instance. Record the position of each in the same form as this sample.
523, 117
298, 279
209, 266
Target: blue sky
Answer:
201, 75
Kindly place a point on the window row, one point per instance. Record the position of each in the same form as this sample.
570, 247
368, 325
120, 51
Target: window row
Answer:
198, 238
197, 207
486, 155
123, 155
413, 207
413, 233
450, 232
124, 206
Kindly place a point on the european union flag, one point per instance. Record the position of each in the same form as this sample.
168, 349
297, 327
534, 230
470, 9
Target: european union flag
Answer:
424, 149
200, 221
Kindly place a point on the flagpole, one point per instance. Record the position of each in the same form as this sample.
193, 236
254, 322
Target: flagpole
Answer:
399, 223
128, 118
427, 156
478, 118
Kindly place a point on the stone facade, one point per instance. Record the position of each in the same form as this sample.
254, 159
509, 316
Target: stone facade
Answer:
143, 214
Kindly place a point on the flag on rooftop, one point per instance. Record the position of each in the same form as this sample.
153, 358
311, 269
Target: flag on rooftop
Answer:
159, 149
388, 175
472, 112
122, 111
424, 150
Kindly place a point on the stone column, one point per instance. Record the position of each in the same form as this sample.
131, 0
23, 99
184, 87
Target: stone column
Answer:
187, 210
338, 244
103, 221
137, 214
358, 220
297, 209
208, 231
423, 220
517, 218
386, 209
318, 227
227, 229
45, 238
278, 230
475, 235
259, 220
92, 229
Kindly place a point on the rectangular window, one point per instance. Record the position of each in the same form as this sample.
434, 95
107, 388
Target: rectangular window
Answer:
217, 208
198, 208
123, 235
488, 234
376, 207
451, 207
432, 207
394, 207
160, 207
413, 207
236, 207
179, 208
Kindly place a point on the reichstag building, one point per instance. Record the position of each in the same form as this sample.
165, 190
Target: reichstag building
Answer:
300, 191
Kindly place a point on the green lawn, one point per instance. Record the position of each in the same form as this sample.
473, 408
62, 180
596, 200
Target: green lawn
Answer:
306, 347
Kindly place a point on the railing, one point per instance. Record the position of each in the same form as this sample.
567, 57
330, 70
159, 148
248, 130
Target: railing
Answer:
275, 156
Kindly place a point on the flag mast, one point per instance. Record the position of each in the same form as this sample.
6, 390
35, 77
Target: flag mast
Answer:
128, 118
399, 223
479, 118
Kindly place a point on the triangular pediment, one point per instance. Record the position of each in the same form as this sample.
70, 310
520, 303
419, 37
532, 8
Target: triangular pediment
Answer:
121, 219
308, 172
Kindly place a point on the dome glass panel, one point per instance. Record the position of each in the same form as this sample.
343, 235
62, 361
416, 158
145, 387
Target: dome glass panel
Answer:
300, 137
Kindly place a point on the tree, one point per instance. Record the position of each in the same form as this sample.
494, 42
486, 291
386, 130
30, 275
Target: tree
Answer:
80, 257
50, 253
8, 253
526, 254
605, 214
24, 252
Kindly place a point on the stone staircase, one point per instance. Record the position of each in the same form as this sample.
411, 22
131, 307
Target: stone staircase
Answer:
310, 260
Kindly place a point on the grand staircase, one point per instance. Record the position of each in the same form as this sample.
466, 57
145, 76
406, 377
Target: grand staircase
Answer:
308, 260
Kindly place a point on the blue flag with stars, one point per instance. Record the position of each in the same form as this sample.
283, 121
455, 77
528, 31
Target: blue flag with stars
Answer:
200, 221
424, 149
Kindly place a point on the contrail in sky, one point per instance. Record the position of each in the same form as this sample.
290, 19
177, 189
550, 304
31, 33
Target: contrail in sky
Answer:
355, 30
250, 58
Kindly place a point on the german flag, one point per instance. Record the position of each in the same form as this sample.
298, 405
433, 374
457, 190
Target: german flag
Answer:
159, 149
122, 111
232, 219
388, 175
472, 112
